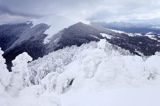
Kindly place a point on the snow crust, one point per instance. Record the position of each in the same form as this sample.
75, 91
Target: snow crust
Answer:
94, 74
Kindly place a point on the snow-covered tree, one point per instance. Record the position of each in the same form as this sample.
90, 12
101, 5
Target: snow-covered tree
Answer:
152, 66
19, 77
102, 44
4, 73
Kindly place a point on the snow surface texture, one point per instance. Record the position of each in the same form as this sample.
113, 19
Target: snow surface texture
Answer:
94, 74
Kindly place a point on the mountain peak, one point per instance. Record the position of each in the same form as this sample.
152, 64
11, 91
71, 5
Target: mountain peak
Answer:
79, 24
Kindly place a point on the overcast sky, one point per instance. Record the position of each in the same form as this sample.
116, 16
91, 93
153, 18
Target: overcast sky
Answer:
79, 10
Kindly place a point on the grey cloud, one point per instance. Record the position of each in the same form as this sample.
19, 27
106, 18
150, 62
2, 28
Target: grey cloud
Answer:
5, 10
127, 10
43, 7
82, 9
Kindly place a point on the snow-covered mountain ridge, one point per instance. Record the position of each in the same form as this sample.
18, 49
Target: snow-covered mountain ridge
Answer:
29, 38
95, 71
82, 65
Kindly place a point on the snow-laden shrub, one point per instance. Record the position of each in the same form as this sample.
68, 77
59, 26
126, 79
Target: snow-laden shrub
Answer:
94, 72
66, 79
19, 77
125, 69
95, 66
152, 66
96, 62
49, 81
4, 73
53, 62
47, 71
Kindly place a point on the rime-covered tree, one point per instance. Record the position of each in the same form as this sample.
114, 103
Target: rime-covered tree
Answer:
4, 73
19, 77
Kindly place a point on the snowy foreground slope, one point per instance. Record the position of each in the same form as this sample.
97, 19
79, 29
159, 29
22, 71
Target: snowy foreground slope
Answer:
94, 74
